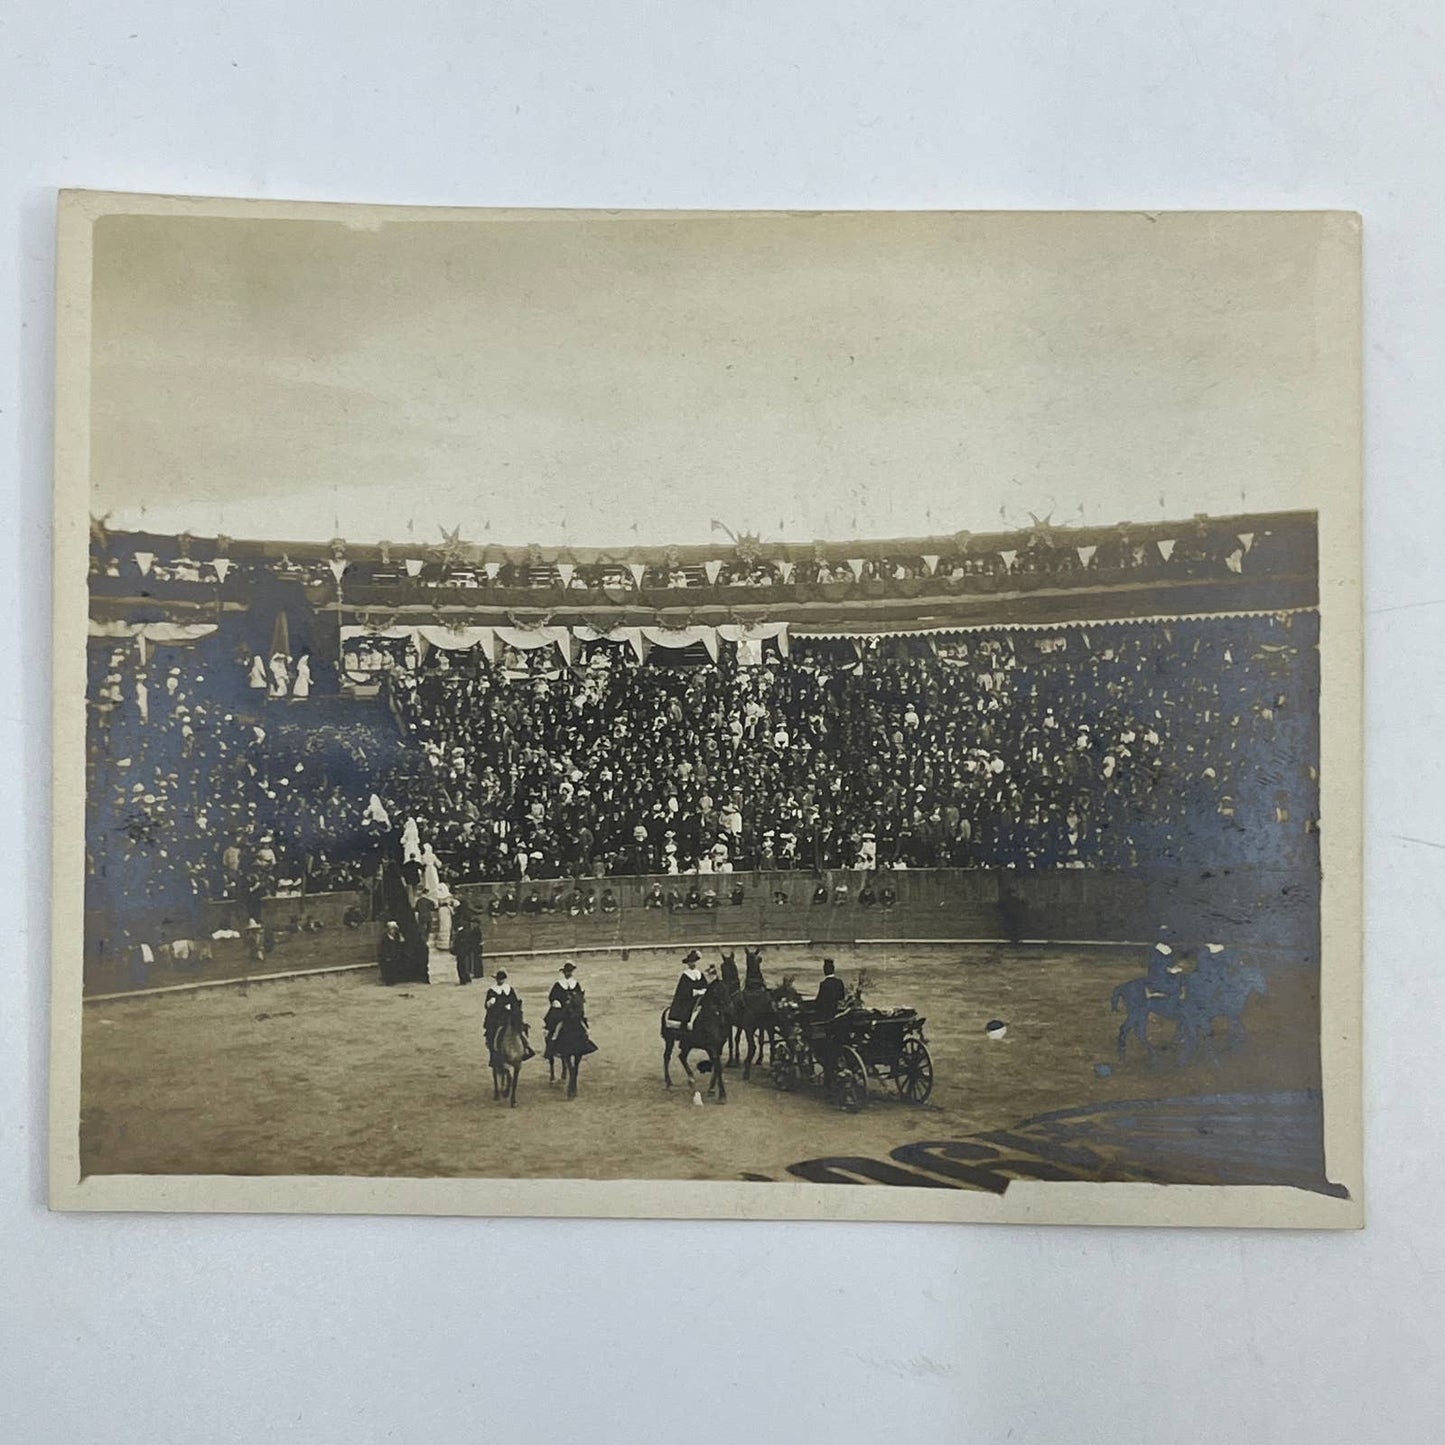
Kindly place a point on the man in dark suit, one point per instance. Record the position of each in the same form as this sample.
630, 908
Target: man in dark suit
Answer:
826, 1007
831, 992
467, 944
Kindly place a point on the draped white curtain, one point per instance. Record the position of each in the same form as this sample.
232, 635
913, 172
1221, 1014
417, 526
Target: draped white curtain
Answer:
683, 637
632, 636
461, 639
159, 632
347, 633
756, 633
526, 639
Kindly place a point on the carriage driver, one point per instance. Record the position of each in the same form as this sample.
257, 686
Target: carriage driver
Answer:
827, 1006
691, 986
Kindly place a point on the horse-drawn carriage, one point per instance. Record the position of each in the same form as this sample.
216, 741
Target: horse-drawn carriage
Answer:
863, 1044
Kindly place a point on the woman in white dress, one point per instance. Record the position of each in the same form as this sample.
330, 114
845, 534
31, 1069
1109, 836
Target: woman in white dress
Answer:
258, 673
280, 675
430, 872
302, 686
445, 903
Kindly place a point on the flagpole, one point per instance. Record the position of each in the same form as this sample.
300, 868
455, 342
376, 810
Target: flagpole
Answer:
340, 650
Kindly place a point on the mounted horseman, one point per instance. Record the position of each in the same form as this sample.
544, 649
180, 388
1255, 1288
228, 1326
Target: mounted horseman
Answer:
697, 1020
568, 1041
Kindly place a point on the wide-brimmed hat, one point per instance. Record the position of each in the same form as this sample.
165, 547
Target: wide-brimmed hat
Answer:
569, 967
500, 974
692, 956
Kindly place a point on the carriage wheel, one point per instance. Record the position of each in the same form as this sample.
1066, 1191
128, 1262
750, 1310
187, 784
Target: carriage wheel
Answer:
914, 1071
851, 1081
785, 1067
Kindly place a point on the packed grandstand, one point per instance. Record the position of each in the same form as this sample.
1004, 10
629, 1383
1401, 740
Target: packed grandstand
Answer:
265, 721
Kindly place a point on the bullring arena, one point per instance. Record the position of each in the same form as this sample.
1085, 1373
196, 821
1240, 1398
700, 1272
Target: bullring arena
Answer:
992, 795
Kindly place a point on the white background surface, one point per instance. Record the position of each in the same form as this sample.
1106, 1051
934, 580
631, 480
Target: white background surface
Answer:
319, 1330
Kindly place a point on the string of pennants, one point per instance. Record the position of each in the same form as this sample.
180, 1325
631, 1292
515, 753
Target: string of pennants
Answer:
712, 569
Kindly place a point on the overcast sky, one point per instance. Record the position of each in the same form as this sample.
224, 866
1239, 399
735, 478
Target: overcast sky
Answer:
610, 379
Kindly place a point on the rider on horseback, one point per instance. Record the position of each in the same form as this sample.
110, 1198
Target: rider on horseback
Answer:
503, 1004
1164, 976
1215, 964
691, 986
564, 990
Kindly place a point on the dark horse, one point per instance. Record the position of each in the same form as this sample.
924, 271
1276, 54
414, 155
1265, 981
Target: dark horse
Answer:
1205, 995
760, 1021
708, 1033
570, 1043
508, 1048
733, 983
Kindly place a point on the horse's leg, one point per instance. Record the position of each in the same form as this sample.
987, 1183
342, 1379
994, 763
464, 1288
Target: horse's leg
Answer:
717, 1073
666, 1060
1124, 1029
516, 1075
572, 1066
1186, 1038
748, 1059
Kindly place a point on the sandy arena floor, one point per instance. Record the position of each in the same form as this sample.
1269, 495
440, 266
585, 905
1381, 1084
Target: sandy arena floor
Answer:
339, 1075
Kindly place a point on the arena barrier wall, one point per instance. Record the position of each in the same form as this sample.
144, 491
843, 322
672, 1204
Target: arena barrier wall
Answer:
1269, 909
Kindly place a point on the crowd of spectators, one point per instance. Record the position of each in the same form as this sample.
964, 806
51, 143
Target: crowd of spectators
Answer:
1176, 744
190, 798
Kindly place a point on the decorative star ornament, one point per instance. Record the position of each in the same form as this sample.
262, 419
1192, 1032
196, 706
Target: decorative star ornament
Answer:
451, 546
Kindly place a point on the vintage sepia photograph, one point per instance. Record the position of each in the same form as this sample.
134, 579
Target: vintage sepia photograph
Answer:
831, 715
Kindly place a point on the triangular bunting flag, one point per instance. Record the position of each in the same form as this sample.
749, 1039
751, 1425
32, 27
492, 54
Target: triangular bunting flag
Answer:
1167, 548
712, 569
856, 563
638, 571
786, 568
931, 563
143, 560
1008, 559
1248, 539
566, 571
492, 569
1086, 554
338, 566
222, 566
413, 566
